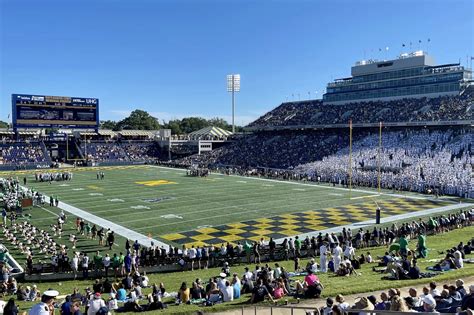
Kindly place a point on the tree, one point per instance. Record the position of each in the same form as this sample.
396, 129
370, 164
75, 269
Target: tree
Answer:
191, 124
139, 120
3, 124
174, 125
108, 124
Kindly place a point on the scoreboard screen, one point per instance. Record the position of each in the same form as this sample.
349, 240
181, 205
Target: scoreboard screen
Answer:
39, 111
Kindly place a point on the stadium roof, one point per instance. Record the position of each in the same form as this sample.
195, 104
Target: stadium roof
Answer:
145, 133
210, 132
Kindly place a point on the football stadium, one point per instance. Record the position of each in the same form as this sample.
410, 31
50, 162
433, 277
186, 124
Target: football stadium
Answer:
359, 200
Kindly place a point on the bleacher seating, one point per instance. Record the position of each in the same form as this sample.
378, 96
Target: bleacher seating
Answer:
22, 153
314, 112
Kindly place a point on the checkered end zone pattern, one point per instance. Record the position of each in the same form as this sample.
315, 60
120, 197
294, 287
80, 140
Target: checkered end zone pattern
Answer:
287, 225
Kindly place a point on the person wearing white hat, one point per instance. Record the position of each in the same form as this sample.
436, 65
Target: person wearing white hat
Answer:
429, 303
46, 306
221, 282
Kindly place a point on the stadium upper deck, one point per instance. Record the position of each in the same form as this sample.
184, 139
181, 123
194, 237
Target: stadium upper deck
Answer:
442, 110
410, 75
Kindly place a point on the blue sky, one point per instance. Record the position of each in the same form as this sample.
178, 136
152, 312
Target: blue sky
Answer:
171, 57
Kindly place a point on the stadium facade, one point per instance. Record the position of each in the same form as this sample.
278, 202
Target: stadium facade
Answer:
413, 75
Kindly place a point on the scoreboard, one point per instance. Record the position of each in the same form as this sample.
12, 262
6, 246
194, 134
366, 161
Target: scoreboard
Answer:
40, 111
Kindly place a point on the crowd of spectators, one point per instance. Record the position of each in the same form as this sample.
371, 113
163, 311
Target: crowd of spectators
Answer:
22, 153
334, 250
120, 151
124, 290
272, 150
315, 112
424, 161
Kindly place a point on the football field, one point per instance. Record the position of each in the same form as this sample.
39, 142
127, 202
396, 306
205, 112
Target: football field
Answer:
166, 204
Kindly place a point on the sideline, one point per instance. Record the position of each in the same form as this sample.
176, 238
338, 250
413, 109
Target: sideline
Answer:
118, 229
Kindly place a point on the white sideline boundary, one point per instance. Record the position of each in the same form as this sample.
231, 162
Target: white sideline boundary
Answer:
118, 229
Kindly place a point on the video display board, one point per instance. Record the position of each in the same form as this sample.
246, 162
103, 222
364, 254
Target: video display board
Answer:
41, 111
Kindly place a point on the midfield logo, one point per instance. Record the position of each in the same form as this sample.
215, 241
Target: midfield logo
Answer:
159, 182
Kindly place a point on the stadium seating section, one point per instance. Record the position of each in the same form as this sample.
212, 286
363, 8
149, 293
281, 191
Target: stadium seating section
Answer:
446, 108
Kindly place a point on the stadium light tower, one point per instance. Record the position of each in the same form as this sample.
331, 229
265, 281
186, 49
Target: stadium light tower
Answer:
233, 85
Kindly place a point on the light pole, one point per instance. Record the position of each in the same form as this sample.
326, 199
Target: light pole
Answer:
233, 85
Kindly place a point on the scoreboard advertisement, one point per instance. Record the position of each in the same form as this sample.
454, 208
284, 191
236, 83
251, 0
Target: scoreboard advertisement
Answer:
40, 111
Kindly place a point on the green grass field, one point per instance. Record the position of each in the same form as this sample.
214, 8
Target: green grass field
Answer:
202, 204
166, 204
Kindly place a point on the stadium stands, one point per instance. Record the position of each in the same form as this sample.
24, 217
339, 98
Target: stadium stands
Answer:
414, 159
135, 151
22, 154
307, 113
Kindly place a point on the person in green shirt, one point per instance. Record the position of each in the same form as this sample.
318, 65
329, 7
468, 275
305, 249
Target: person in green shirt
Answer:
116, 265
421, 247
97, 264
403, 245
248, 251
88, 229
297, 246
122, 264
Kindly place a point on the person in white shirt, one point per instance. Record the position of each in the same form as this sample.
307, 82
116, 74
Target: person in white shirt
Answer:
349, 252
313, 266
112, 304
433, 291
46, 306
337, 252
247, 275
221, 282
192, 256
343, 306
369, 258
228, 292
144, 280
106, 263
95, 304
323, 262
75, 265
277, 271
